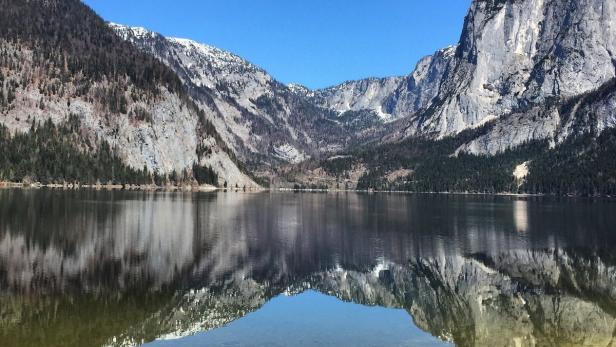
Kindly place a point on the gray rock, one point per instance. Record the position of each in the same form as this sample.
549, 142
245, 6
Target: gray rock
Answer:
514, 61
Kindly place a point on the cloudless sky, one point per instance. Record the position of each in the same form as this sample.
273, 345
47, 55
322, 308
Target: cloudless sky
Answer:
314, 319
317, 43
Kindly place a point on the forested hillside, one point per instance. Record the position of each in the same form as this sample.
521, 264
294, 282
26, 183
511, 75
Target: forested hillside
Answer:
581, 160
483, 116
59, 59
70, 37
583, 165
49, 154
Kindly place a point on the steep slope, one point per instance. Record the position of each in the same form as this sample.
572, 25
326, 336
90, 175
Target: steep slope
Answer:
59, 60
515, 60
264, 122
587, 113
388, 98
515, 56
529, 81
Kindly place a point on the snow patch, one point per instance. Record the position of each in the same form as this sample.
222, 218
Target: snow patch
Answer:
299, 89
131, 33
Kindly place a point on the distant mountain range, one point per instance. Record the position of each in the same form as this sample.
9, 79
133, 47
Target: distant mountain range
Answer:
521, 104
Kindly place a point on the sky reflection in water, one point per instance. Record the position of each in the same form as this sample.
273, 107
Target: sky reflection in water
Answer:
91, 268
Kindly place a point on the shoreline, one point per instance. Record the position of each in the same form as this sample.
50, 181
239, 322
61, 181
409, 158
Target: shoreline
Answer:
127, 187
406, 192
211, 188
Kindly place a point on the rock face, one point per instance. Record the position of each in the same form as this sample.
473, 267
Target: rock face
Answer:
389, 98
590, 112
515, 59
526, 70
59, 59
265, 122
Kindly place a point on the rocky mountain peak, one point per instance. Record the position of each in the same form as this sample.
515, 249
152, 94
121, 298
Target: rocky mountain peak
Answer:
132, 33
299, 89
513, 55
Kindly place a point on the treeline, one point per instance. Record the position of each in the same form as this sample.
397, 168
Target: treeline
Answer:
72, 46
470, 173
51, 153
431, 164
70, 38
434, 169
584, 165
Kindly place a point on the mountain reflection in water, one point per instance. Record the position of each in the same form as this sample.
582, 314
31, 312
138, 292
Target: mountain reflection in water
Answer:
88, 268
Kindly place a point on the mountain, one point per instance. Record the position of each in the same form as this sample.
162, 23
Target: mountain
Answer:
268, 124
265, 122
529, 81
515, 61
61, 62
389, 98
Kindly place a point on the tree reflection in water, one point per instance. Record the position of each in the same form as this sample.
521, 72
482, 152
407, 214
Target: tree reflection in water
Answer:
95, 268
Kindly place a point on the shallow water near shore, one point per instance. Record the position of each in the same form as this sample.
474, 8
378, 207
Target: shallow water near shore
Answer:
118, 268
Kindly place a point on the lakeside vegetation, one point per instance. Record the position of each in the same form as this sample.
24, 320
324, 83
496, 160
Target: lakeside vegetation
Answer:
51, 153
583, 165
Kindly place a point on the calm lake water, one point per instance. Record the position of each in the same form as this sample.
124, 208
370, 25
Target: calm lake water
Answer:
88, 268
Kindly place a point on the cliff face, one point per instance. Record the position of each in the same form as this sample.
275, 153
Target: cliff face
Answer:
516, 58
590, 112
514, 61
389, 98
264, 122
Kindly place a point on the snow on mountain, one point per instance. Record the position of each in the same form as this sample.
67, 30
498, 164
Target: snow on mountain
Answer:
263, 121
150, 124
300, 90
390, 98
515, 60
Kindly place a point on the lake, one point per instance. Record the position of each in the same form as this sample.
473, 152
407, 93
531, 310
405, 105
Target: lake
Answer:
116, 268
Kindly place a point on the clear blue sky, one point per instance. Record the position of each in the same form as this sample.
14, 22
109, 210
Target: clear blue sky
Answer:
314, 42
314, 319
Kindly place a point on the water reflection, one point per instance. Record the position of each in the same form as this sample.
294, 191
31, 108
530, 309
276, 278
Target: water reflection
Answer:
520, 216
117, 268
